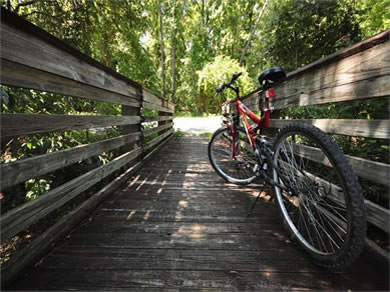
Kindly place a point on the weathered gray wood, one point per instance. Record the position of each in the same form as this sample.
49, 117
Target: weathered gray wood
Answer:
359, 72
156, 140
158, 119
43, 243
360, 76
205, 280
151, 98
157, 107
150, 131
18, 75
23, 216
364, 45
294, 92
25, 124
47, 54
364, 89
374, 171
175, 259
378, 215
378, 129
154, 151
15, 172
126, 129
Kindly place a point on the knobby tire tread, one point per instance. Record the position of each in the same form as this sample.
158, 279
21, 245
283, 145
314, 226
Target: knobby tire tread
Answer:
356, 238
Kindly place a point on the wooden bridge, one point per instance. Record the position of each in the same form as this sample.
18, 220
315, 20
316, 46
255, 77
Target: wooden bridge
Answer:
164, 219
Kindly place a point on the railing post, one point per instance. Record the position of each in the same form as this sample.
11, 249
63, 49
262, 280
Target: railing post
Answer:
128, 129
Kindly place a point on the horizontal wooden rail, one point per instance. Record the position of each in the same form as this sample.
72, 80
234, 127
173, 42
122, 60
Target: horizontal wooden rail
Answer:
156, 107
19, 171
43, 243
158, 119
25, 44
18, 75
379, 129
23, 216
154, 130
32, 58
371, 170
359, 72
158, 139
25, 124
153, 99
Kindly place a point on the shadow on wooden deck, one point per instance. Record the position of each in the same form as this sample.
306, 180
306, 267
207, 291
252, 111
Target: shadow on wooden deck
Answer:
177, 225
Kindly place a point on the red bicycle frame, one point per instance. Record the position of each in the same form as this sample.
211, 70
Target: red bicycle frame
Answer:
259, 123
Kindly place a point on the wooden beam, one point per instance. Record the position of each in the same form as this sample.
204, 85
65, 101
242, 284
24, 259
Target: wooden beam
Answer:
25, 124
158, 119
43, 243
19, 171
152, 98
378, 129
358, 72
31, 253
23, 216
26, 44
156, 140
156, 107
371, 170
151, 131
18, 75
363, 89
154, 151
378, 215
362, 46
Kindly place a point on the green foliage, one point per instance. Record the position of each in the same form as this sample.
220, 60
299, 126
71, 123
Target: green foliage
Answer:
303, 31
208, 40
178, 133
125, 35
373, 16
212, 75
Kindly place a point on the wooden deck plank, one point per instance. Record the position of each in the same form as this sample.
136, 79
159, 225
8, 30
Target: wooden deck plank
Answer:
177, 226
227, 280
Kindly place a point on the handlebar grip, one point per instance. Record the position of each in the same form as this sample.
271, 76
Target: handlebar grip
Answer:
221, 88
235, 76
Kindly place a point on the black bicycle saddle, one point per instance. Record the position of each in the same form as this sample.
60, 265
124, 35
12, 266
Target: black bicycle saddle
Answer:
275, 75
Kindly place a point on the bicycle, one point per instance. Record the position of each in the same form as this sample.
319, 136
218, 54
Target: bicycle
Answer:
317, 193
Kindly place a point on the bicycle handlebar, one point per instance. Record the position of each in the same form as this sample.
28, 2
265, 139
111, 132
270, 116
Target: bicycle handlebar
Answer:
226, 85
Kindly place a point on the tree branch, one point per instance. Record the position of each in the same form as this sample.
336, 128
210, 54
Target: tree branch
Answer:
42, 13
252, 32
16, 10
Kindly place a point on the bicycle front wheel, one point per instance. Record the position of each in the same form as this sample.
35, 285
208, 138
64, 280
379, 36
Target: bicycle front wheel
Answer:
240, 169
321, 203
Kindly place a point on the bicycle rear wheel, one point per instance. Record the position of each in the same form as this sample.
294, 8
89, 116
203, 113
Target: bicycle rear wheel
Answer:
239, 170
322, 205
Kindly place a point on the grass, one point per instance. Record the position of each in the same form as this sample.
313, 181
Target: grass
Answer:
208, 135
178, 133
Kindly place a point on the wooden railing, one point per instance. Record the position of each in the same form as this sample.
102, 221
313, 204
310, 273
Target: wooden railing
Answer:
32, 58
359, 72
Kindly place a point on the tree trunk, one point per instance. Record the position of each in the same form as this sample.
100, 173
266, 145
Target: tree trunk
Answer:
253, 30
162, 51
173, 64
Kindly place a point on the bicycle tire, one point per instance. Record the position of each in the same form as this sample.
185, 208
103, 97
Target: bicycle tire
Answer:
240, 171
323, 212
